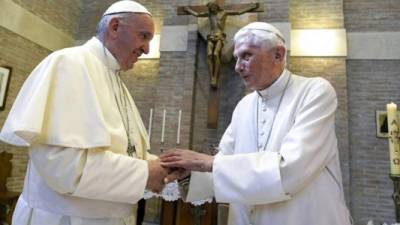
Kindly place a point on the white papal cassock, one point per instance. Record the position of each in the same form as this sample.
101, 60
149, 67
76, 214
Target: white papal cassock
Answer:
79, 172
295, 178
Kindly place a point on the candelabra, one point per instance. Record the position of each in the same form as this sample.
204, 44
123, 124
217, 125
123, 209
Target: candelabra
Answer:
163, 143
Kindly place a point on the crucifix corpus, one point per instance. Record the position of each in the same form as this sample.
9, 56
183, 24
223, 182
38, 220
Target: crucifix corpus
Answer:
217, 15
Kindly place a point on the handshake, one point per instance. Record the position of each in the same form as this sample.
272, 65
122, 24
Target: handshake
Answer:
176, 164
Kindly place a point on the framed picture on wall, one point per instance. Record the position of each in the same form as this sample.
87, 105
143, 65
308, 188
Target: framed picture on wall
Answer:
381, 124
5, 73
382, 130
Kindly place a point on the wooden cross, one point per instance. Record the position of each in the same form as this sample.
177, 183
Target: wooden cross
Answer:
217, 14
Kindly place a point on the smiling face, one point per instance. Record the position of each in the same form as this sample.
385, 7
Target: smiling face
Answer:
257, 64
130, 37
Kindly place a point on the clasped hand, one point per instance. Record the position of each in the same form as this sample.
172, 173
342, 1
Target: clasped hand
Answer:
160, 175
182, 161
176, 164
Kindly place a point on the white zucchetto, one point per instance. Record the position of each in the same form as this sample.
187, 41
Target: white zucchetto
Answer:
126, 6
263, 26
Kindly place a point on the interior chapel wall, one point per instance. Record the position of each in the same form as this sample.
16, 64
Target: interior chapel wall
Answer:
372, 83
170, 71
369, 84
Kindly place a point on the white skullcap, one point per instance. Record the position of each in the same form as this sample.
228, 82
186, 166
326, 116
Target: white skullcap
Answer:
126, 6
265, 27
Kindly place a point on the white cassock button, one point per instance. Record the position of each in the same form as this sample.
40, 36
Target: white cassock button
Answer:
264, 121
264, 109
262, 133
260, 146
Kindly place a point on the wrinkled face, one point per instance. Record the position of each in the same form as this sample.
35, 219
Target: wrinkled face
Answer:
256, 65
132, 38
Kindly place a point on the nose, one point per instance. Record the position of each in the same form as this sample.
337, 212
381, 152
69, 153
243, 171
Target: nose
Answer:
239, 66
146, 48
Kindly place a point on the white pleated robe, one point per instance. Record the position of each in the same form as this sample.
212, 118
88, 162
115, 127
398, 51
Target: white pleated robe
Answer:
296, 180
79, 171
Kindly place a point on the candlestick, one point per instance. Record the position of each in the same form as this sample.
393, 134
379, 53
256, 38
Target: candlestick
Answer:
393, 129
396, 195
163, 126
150, 122
178, 134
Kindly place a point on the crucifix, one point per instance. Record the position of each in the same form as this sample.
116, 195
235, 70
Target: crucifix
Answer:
217, 15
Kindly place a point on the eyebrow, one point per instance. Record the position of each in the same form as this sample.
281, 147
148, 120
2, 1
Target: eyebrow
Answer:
147, 33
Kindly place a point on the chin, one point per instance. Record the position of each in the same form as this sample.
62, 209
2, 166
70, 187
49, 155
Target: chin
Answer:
249, 86
128, 67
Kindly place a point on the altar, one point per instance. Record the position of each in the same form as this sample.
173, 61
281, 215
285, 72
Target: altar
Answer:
173, 210
181, 213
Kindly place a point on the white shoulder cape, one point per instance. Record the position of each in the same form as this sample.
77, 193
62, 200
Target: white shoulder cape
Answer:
68, 101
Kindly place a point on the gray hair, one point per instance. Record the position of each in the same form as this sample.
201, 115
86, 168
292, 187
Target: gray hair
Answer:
105, 20
259, 37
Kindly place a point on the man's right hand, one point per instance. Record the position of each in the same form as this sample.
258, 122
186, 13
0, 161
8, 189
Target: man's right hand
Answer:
187, 159
176, 174
157, 173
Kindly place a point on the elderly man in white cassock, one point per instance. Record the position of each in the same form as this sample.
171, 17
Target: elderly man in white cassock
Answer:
89, 163
278, 160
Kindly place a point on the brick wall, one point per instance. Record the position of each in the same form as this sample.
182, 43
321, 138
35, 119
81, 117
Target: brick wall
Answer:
22, 55
274, 11
371, 85
316, 14
372, 15
62, 14
142, 81
176, 92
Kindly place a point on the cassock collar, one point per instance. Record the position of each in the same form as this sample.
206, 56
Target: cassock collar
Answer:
102, 53
276, 88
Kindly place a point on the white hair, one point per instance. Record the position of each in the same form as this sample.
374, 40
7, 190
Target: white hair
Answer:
265, 39
105, 20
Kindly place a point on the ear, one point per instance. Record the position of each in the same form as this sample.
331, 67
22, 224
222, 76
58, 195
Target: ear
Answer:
113, 26
280, 54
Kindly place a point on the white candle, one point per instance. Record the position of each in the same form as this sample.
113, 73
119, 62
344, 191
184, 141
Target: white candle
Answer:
163, 126
178, 135
393, 128
150, 122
